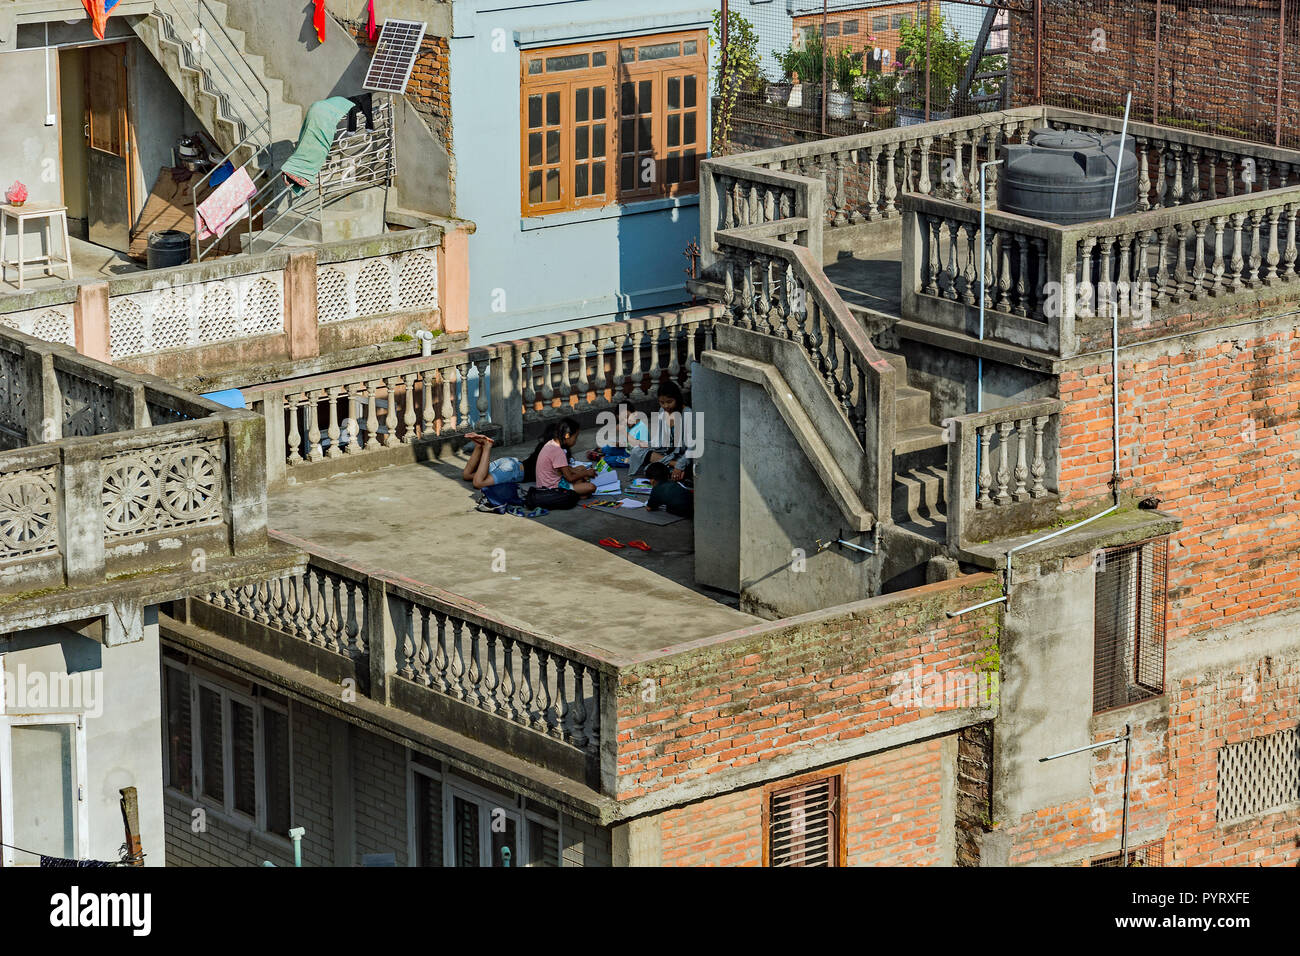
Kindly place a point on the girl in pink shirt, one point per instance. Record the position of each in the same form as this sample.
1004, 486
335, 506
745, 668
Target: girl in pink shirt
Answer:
552, 457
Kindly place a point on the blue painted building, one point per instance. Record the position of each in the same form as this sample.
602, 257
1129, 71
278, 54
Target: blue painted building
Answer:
579, 126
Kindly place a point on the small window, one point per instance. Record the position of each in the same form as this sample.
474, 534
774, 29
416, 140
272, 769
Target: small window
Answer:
849, 28
534, 66
880, 24
659, 51
803, 822
578, 61
1129, 598
832, 29
899, 19
180, 769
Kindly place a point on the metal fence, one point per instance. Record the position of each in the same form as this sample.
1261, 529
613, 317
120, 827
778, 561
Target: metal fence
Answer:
1129, 606
798, 70
1150, 854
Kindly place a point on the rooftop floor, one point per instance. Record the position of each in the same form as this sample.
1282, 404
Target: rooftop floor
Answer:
419, 521
89, 263
870, 280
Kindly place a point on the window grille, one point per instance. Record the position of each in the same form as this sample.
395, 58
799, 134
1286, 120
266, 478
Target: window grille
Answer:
1149, 854
803, 824
1259, 776
1129, 624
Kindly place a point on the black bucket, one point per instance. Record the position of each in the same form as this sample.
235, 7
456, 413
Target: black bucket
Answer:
167, 248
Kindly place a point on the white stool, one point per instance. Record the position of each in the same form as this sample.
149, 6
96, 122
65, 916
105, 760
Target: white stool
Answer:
20, 214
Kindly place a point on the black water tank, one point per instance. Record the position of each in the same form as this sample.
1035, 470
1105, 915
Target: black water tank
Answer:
167, 248
1067, 176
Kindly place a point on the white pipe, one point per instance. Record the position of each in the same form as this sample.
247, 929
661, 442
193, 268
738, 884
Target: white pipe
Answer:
979, 395
426, 342
1114, 319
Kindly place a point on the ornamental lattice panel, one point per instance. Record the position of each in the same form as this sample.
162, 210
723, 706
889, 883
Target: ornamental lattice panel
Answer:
1259, 776
52, 324
161, 489
405, 281
186, 316
29, 513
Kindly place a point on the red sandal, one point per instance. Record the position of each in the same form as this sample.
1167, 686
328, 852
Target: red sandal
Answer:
639, 545
610, 543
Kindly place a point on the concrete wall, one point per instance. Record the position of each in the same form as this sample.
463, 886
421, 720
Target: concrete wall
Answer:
122, 728
159, 116
570, 269
29, 150
716, 399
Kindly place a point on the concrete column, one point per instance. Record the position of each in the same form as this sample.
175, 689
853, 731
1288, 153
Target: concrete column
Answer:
44, 400
300, 322
246, 474
81, 512
380, 640
272, 412
507, 402
90, 319
638, 842
130, 408
344, 808
453, 280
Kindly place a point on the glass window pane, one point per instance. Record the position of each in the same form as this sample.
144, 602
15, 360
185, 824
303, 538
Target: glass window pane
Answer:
674, 168
534, 111
660, 51
674, 92
688, 136
464, 815
45, 801
242, 765
598, 179
598, 58
210, 728
535, 186
832, 29
643, 133
580, 142
900, 19
690, 48
644, 93
627, 173
574, 61
688, 100
627, 136
275, 743
534, 149
428, 821
674, 129
505, 844
580, 181
581, 104
689, 174
627, 54
553, 109
543, 845
880, 24
179, 768
598, 140
628, 104
552, 185
553, 146
534, 66
598, 102
849, 28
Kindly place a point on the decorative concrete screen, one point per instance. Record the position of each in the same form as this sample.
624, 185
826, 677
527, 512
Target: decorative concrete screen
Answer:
404, 281
1259, 776
52, 323
184, 316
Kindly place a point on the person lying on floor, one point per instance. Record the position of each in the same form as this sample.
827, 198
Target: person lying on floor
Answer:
553, 468
498, 480
667, 492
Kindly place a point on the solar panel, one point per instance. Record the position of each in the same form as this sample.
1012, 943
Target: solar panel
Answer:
395, 53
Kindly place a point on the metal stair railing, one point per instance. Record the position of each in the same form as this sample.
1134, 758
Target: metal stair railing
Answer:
994, 22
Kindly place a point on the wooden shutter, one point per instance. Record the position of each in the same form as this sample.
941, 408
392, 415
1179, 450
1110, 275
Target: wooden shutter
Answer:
803, 824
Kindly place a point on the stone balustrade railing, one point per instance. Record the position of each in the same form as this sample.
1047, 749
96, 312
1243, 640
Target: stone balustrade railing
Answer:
777, 288
115, 473
429, 652
1003, 466
331, 423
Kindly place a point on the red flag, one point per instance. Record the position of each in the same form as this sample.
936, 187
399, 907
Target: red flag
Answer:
318, 19
371, 29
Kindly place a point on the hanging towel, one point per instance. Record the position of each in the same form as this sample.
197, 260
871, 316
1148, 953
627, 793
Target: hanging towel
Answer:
318, 20
225, 205
371, 29
314, 140
98, 11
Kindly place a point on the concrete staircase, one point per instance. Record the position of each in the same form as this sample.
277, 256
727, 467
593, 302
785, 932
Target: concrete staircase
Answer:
920, 460
229, 88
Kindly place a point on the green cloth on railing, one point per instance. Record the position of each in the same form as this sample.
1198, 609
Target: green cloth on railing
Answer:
315, 139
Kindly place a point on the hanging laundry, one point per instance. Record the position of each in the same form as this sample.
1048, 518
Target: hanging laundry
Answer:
58, 861
371, 28
314, 141
875, 55
318, 19
98, 11
225, 205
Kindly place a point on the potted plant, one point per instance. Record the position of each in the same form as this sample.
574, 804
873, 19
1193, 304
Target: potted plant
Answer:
808, 66
949, 54
861, 101
843, 68
779, 93
884, 98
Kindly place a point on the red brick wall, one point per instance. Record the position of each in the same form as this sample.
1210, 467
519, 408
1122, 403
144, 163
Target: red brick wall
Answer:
429, 89
892, 803
1218, 62
1213, 432
818, 679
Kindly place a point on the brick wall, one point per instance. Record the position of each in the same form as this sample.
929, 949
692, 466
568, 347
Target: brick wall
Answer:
893, 806
1218, 62
429, 90
818, 679
1213, 431
379, 778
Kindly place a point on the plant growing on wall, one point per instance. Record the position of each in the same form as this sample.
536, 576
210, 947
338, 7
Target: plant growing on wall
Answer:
741, 62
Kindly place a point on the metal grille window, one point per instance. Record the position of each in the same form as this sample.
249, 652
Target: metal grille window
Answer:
1129, 624
1149, 854
1259, 776
802, 826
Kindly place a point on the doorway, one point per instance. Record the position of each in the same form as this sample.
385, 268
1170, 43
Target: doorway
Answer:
107, 143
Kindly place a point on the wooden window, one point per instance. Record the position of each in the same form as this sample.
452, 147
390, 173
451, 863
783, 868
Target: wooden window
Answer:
615, 121
802, 822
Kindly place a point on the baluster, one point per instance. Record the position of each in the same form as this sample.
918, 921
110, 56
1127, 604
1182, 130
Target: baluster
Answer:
1104, 287
968, 275
1161, 185
1022, 465
1274, 256
1212, 187
1256, 257
985, 474
1144, 177
924, 185
1177, 193
578, 722
1194, 174
891, 187
832, 352
1181, 281
491, 677
1085, 289
988, 289
1163, 290
1123, 276
909, 150
725, 184
441, 661
526, 693
562, 347
1217, 264
1140, 292
1198, 259
456, 661
390, 439
406, 645
426, 377
293, 403
408, 417
1040, 277
563, 706
1039, 467
1022, 243
1004, 472
1265, 174
801, 310
331, 397
506, 688
930, 268
1289, 257
764, 292
1238, 261
952, 271
1283, 171
958, 185
420, 627
838, 199
873, 187
769, 204
1005, 241
541, 717
314, 450
462, 388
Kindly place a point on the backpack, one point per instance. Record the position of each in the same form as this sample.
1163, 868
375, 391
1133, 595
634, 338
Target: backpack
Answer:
553, 499
497, 498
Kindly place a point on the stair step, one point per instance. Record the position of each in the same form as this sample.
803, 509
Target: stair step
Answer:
898, 360
912, 406
918, 438
920, 495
